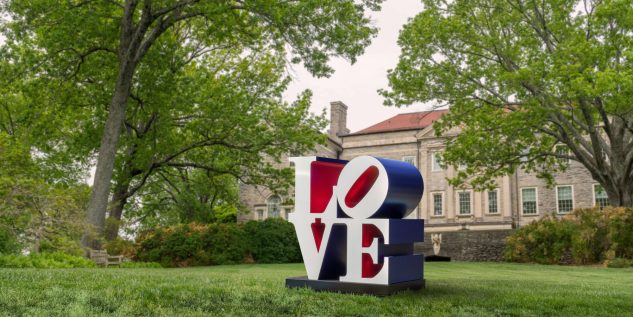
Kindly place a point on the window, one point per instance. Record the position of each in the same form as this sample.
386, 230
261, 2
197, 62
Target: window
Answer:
600, 197
464, 203
287, 211
260, 214
562, 149
409, 159
493, 201
528, 201
461, 167
436, 162
274, 203
438, 204
565, 198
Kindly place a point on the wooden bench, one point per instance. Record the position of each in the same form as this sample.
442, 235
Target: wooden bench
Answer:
101, 257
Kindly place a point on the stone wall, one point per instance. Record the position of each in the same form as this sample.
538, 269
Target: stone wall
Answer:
468, 245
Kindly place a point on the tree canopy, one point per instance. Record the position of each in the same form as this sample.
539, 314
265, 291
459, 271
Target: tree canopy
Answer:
157, 87
530, 84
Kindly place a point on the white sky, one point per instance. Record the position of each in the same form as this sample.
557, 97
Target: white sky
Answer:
356, 85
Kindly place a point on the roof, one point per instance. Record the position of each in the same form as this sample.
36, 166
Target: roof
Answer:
404, 121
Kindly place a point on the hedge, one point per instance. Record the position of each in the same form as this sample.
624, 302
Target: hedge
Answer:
586, 236
269, 241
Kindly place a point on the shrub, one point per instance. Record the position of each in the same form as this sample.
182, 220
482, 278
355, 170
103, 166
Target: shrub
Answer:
140, 265
172, 246
273, 241
121, 246
270, 241
587, 235
225, 243
194, 244
56, 260
620, 231
543, 241
618, 263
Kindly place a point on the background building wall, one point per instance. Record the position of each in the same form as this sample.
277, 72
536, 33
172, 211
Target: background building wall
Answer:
468, 245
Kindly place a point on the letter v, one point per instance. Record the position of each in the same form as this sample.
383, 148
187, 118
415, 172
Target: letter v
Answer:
313, 248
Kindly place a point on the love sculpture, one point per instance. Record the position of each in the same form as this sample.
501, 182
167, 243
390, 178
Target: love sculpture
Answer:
348, 219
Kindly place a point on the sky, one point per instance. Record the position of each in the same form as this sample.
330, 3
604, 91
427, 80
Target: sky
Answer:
357, 85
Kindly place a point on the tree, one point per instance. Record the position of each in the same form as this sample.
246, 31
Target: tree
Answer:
225, 118
184, 196
42, 195
116, 38
37, 215
529, 83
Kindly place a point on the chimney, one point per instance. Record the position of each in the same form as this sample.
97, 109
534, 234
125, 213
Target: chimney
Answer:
338, 120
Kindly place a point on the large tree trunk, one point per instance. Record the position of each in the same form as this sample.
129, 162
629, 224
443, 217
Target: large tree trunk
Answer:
620, 195
119, 200
121, 194
105, 162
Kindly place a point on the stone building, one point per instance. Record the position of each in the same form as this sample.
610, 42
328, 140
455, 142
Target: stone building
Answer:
517, 200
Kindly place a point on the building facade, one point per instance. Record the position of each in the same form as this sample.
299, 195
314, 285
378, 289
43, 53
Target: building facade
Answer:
517, 199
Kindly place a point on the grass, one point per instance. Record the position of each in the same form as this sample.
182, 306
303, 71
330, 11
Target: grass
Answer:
453, 289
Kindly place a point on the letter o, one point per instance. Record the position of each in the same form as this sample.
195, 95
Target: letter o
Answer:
370, 187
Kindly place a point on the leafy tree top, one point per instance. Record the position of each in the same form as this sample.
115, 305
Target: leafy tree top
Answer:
521, 78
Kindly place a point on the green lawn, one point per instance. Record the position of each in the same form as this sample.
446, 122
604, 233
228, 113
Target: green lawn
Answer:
453, 289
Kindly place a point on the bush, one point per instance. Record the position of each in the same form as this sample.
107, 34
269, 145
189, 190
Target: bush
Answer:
586, 236
270, 241
141, 265
226, 244
56, 260
618, 263
193, 245
122, 247
273, 241
620, 231
543, 241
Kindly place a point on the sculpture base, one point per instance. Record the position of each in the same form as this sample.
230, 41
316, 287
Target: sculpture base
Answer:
437, 258
354, 288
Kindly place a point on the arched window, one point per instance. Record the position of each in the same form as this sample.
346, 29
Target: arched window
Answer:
274, 206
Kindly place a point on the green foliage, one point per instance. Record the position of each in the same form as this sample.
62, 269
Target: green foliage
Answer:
38, 211
140, 265
270, 241
120, 246
586, 236
543, 241
182, 86
618, 263
520, 78
192, 196
273, 241
8, 242
193, 244
589, 240
620, 232
55, 260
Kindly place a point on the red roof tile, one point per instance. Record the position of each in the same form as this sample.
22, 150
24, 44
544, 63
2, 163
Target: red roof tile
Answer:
405, 121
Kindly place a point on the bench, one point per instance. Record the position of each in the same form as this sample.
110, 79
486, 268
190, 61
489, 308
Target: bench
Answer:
101, 257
